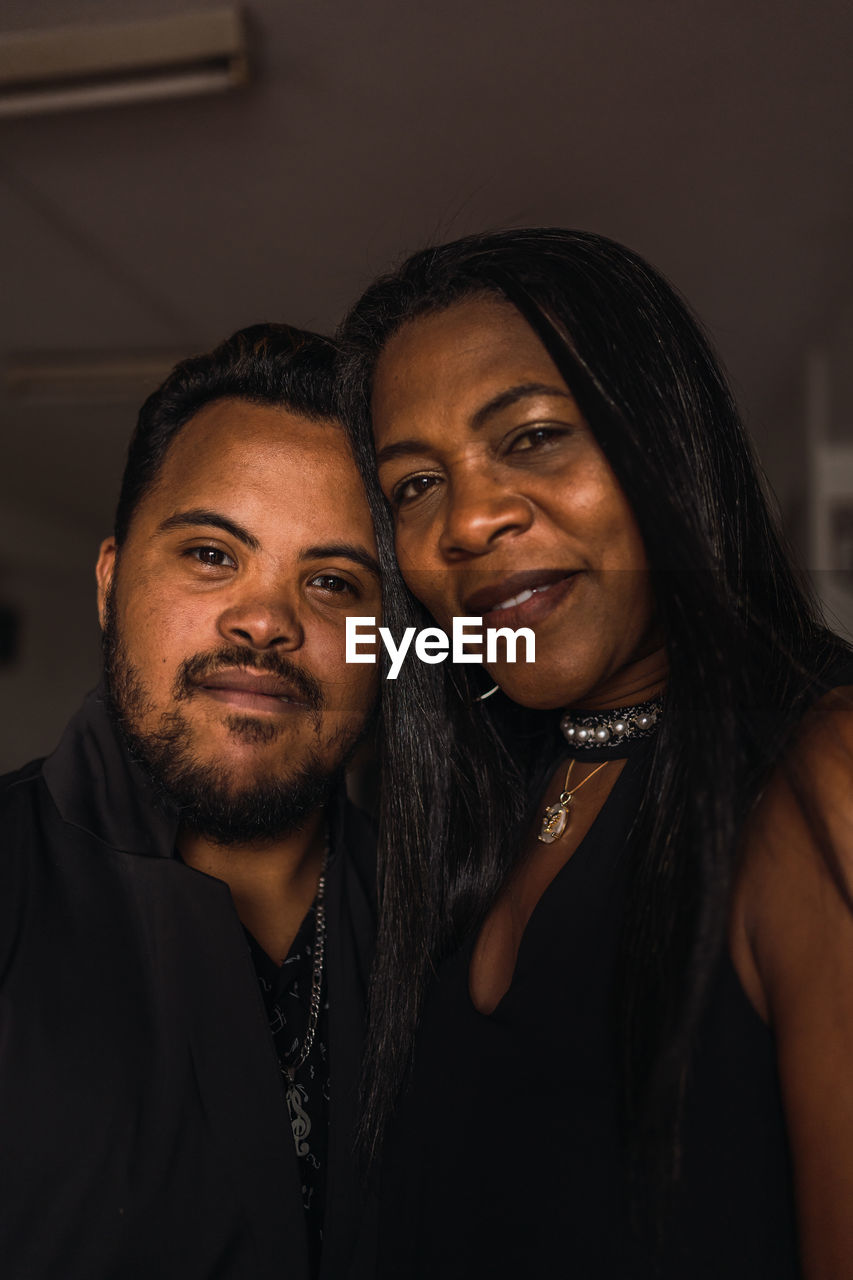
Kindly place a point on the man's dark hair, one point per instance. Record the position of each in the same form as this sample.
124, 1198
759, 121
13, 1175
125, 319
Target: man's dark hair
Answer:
270, 364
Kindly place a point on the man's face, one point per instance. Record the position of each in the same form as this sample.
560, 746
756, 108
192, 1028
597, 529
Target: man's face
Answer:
225, 612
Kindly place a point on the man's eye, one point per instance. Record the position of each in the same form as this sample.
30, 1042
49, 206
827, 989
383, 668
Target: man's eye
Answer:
411, 488
332, 583
213, 556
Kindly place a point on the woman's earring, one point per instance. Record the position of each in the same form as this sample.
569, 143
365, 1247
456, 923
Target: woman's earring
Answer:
482, 697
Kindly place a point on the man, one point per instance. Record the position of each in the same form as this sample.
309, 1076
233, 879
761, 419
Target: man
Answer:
185, 895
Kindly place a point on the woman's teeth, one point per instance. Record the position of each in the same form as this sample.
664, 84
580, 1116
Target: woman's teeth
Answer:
522, 596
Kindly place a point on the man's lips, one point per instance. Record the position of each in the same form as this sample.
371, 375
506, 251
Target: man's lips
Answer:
521, 598
252, 691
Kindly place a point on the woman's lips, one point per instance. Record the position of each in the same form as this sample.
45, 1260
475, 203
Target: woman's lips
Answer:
531, 605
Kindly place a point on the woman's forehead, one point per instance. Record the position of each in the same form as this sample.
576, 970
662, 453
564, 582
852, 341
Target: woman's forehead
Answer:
466, 354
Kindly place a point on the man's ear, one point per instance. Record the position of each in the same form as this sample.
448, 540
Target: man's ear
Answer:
104, 571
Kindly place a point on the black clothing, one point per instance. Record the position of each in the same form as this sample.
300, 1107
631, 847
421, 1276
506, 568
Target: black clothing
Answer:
286, 992
143, 1127
506, 1159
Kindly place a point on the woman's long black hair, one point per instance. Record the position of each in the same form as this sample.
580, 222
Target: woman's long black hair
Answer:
747, 651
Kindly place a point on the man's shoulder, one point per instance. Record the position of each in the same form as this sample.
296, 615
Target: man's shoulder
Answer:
23, 800
20, 783
22, 806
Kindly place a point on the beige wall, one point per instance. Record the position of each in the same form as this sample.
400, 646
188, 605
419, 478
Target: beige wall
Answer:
46, 574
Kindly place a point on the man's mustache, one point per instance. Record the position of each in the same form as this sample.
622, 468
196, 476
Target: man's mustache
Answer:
193, 671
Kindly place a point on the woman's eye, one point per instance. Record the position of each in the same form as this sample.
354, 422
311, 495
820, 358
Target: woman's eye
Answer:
215, 557
413, 487
535, 438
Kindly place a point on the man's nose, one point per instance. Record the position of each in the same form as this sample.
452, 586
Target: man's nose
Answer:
262, 619
480, 512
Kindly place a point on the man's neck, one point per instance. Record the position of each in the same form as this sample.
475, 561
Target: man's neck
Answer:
272, 884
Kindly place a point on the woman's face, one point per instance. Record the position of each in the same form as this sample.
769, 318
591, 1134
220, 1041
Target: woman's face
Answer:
505, 507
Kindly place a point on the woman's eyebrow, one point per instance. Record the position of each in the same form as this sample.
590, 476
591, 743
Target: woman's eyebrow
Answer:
401, 448
504, 399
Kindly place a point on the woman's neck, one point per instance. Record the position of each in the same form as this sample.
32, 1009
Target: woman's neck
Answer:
641, 681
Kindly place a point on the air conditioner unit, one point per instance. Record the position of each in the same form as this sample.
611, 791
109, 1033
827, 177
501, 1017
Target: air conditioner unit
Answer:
73, 67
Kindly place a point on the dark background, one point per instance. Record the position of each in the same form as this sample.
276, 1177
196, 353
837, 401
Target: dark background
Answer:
712, 137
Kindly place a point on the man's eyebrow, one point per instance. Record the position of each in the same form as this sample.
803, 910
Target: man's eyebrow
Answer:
504, 400
343, 551
201, 515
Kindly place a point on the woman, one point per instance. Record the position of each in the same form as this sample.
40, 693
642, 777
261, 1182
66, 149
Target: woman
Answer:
612, 1018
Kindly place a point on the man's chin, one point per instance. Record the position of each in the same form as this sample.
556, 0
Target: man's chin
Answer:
237, 803
236, 775
241, 744
236, 789
254, 731
228, 728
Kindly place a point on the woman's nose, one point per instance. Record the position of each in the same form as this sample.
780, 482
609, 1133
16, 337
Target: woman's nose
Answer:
480, 512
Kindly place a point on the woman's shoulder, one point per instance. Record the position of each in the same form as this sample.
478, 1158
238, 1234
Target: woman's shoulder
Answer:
795, 874
792, 945
803, 817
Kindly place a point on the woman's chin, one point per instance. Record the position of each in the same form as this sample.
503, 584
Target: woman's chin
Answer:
529, 689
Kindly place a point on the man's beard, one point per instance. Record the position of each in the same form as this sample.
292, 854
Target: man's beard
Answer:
209, 802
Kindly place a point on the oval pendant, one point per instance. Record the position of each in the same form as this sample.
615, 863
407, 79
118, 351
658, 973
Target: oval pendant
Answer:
554, 821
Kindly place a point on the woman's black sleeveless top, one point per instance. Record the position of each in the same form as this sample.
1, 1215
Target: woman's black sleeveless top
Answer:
506, 1157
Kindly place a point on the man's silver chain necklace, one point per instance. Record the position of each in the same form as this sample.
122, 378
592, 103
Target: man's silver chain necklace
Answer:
289, 1070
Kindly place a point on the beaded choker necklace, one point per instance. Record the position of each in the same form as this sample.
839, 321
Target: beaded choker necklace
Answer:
611, 728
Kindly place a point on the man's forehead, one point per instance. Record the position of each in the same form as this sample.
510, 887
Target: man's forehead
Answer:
244, 465
230, 442
241, 424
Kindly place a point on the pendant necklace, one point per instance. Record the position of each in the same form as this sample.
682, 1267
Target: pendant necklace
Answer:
556, 817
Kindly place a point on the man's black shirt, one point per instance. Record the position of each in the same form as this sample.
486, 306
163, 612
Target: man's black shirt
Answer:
286, 991
143, 1127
